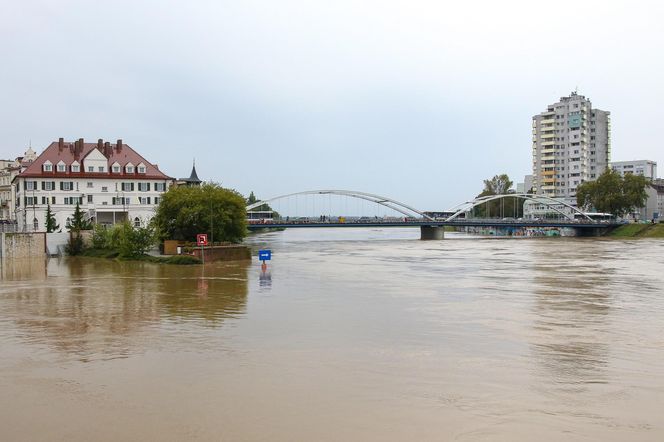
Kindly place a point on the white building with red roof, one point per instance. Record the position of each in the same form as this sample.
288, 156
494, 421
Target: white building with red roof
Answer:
111, 183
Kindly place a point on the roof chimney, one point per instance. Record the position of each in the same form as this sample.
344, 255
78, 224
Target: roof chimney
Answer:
119, 145
61, 143
80, 143
100, 144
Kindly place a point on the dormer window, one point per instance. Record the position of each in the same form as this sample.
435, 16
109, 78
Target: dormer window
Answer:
129, 168
48, 166
75, 168
62, 167
115, 168
141, 168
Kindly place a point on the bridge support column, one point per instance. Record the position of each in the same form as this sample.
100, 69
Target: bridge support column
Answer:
600, 231
432, 232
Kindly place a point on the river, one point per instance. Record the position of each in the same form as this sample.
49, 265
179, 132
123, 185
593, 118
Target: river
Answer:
350, 334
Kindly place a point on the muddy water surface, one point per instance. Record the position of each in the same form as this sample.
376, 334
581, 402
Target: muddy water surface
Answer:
349, 335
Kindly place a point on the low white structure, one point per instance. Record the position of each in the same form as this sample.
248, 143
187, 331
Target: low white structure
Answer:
646, 168
111, 183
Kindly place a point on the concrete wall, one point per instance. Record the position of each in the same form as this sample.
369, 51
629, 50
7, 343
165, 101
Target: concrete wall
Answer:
56, 242
22, 245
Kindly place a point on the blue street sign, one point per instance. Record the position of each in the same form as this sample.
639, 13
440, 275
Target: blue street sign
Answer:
265, 255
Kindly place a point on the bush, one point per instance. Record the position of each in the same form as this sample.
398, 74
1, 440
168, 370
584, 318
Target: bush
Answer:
182, 260
75, 244
132, 241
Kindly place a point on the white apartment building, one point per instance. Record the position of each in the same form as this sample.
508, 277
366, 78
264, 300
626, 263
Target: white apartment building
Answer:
571, 144
646, 168
111, 183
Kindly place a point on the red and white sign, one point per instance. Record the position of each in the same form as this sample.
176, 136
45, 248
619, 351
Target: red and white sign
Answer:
201, 239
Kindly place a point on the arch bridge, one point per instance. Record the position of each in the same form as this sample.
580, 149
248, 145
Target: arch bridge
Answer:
433, 228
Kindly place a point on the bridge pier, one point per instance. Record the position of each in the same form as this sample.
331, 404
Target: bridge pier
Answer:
432, 232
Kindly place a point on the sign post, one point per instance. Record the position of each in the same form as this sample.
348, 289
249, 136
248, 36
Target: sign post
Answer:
201, 240
264, 255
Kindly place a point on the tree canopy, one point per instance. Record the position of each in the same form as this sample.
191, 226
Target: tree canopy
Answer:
185, 212
507, 207
498, 185
613, 193
78, 221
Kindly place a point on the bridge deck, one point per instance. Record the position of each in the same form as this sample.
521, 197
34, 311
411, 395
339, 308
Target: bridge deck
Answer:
455, 223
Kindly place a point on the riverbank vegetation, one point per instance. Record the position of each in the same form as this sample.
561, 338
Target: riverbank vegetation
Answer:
129, 243
638, 231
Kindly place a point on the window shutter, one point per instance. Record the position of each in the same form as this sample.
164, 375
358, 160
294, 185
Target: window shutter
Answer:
148, 198
61, 186
148, 187
71, 185
43, 185
132, 187
52, 200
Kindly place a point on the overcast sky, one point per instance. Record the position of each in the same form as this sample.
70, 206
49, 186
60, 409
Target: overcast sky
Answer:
415, 100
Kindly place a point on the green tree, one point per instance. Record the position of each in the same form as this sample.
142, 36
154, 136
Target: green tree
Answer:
75, 245
51, 224
262, 208
78, 221
132, 242
498, 185
186, 211
612, 193
506, 207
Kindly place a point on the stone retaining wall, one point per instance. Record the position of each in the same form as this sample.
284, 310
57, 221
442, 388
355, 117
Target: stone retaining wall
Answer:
22, 245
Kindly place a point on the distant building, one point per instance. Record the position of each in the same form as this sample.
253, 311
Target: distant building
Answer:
571, 144
111, 183
644, 168
526, 186
8, 170
654, 207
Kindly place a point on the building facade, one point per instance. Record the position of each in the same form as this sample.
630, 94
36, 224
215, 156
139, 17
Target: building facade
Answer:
571, 144
8, 171
644, 168
110, 182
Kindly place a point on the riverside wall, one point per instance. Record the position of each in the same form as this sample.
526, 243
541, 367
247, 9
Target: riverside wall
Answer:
22, 245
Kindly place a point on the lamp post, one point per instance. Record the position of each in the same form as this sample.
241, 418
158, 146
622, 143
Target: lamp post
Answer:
211, 225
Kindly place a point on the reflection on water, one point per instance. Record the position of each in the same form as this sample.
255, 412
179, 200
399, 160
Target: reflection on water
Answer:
96, 306
23, 269
346, 335
572, 307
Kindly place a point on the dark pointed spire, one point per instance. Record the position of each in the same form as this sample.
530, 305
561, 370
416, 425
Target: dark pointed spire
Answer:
193, 179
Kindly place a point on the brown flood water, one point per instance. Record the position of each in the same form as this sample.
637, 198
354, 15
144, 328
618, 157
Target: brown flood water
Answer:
350, 335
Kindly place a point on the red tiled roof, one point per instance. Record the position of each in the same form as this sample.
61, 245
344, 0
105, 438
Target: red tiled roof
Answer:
71, 152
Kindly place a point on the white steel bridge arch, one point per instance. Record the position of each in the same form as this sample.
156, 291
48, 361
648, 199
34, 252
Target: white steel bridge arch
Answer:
545, 200
383, 201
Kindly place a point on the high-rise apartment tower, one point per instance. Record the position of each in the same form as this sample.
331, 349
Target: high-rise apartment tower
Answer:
571, 144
